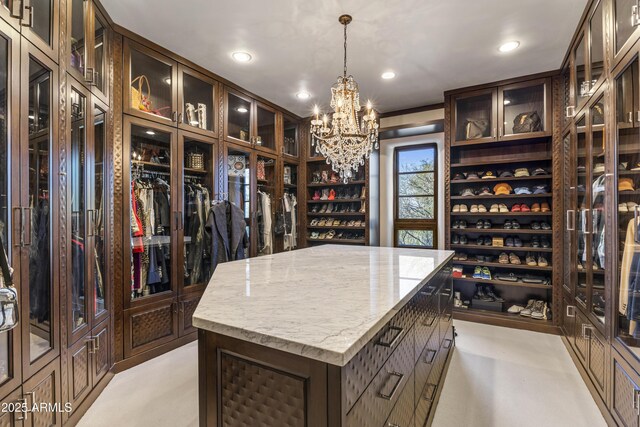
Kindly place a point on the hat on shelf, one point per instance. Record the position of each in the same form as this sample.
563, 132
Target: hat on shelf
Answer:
625, 184
623, 166
522, 190
502, 189
485, 191
540, 189
472, 175
488, 175
506, 174
467, 192
522, 172
581, 168
598, 168
539, 171
459, 176
636, 167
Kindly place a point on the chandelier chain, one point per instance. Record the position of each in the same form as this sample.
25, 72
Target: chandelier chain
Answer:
345, 50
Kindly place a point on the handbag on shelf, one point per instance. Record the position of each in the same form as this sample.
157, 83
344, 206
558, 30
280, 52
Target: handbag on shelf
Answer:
260, 171
195, 160
140, 100
476, 128
8, 294
527, 122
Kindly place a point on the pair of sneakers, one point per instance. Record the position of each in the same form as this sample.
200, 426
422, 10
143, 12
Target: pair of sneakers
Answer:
536, 309
482, 273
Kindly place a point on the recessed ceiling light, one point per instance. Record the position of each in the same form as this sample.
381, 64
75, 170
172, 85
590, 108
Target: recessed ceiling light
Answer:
388, 75
507, 102
303, 94
241, 56
150, 132
168, 80
509, 46
241, 110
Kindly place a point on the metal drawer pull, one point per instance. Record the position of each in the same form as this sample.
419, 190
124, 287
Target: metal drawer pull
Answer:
390, 424
433, 387
571, 219
447, 343
447, 317
635, 15
15, 9
586, 327
428, 294
431, 320
394, 340
429, 360
636, 401
571, 311
395, 386
30, 23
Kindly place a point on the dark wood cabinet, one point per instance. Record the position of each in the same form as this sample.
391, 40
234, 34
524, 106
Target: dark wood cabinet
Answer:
44, 389
40, 24
149, 326
625, 391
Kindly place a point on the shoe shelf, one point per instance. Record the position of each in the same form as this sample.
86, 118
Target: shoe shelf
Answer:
507, 266
502, 248
508, 179
499, 231
503, 214
519, 284
503, 196
503, 319
335, 184
336, 227
359, 199
509, 161
327, 214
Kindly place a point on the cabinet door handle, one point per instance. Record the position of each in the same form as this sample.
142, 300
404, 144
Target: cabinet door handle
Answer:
395, 386
635, 19
395, 338
586, 327
586, 215
630, 116
571, 311
570, 111
571, 219
24, 413
89, 76
174, 116
96, 343
15, 9
92, 345
636, 400
90, 224
26, 230
433, 388
179, 117
30, 22
18, 227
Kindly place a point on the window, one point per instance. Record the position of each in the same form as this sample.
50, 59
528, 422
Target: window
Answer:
415, 196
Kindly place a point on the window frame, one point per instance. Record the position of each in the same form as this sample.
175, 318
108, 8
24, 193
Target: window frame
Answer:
415, 224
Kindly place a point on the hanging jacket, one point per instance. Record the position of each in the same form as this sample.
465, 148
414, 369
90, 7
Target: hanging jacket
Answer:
226, 228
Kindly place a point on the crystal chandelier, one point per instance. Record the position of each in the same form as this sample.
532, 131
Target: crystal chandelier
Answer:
349, 140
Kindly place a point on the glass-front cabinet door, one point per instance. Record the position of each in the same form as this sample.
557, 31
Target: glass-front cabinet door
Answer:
568, 105
239, 187
11, 214
40, 210
596, 47
598, 201
152, 89
580, 210
265, 137
98, 208
627, 295
154, 216
99, 59
626, 16
266, 179
581, 88
568, 282
238, 118
198, 179
197, 101
524, 109
290, 136
40, 24
475, 116
78, 11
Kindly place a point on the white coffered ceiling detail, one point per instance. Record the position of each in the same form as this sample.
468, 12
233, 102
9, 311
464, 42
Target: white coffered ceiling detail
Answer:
431, 45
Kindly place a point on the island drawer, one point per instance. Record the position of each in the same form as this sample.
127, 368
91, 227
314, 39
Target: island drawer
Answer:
427, 320
402, 413
376, 403
364, 366
427, 396
427, 360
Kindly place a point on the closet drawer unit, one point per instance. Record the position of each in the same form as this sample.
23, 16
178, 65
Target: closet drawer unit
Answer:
580, 337
428, 359
426, 323
428, 394
402, 414
568, 319
376, 403
365, 365
446, 316
149, 326
597, 360
447, 343
625, 394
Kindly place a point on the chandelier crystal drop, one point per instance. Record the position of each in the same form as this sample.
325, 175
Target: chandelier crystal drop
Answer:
346, 140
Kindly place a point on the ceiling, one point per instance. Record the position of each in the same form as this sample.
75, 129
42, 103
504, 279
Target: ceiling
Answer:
431, 45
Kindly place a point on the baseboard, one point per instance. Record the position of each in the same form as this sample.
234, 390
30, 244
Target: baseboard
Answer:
132, 361
592, 389
79, 412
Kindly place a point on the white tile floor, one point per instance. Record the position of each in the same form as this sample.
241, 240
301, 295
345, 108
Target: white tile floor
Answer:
498, 377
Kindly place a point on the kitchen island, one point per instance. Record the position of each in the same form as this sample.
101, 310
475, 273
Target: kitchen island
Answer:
326, 336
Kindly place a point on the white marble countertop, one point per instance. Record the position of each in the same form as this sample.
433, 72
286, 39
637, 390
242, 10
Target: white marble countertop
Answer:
324, 303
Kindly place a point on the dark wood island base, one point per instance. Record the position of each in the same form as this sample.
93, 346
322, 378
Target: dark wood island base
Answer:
394, 380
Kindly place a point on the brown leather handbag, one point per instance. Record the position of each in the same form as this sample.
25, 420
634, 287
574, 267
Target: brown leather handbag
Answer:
527, 122
476, 128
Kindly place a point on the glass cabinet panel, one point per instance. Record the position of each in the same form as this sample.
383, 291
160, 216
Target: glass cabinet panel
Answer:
628, 200
566, 96
597, 44
624, 27
78, 42
238, 118
266, 134
39, 184
199, 160
290, 140
198, 102
582, 86
99, 63
151, 85
598, 203
568, 283
290, 206
239, 184
581, 211
523, 109
42, 17
475, 117
151, 214
99, 210
266, 178
77, 177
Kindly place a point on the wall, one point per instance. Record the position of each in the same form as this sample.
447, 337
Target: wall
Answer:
382, 175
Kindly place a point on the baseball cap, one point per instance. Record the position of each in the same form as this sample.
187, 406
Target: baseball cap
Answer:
488, 175
485, 191
467, 192
506, 174
522, 190
459, 176
625, 184
472, 175
539, 171
598, 168
502, 188
540, 189
522, 172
